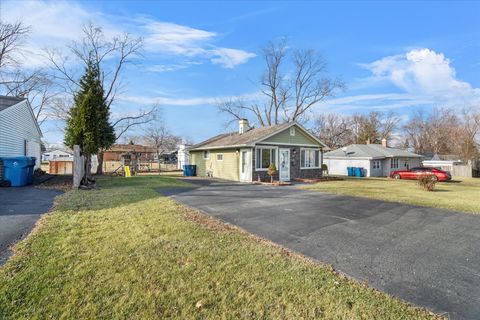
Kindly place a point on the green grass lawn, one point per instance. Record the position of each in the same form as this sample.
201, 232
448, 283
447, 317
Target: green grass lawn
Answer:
125, 252
460, 195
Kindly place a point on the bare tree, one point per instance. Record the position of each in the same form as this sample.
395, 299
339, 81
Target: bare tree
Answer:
11, 39
159, 136
111, 56
444, 131
288, 95
34, 85
38, 88
334, 129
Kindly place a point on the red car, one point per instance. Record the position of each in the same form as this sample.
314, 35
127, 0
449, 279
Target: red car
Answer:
415, 173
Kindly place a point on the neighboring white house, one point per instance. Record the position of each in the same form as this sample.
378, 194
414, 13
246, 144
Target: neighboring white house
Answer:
183, 156
20, 134
377, 160
443, 161
57, 154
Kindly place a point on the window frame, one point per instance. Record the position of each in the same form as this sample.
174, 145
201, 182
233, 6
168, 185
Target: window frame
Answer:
292, 132
257, 158
219, 154
377, 164
317, 158
206, 154
393, 163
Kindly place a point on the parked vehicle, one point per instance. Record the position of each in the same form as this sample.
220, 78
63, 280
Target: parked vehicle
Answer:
415, 173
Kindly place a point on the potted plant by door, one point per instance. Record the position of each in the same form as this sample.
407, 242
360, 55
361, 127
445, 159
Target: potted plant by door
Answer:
272, 170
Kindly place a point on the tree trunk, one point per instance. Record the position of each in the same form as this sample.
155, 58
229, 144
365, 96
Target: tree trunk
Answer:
100, 162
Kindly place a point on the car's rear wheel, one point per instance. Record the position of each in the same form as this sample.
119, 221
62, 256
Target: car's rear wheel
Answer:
435, 178
397, 176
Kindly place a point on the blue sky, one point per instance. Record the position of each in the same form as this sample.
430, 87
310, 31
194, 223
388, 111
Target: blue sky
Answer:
397, 56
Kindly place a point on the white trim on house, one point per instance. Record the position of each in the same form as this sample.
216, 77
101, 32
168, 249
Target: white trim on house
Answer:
319, 158
265, 147
206, 154
219, 154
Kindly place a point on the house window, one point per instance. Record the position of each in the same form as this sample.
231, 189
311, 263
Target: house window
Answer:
405, 164
219, 156
376, 164
292, 131
309, 158
206, 154
264, 157
394, 163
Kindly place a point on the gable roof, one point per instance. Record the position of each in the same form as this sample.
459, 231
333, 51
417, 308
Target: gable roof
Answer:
369, 151
249, 138
7, 102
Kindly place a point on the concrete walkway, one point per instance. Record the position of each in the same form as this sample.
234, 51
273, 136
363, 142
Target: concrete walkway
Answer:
20, 208
429, 257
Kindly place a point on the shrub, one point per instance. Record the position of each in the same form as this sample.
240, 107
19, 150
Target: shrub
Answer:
427, 181
324, 168
271, 171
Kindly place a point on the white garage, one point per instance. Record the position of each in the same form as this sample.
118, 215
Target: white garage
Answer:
376, 160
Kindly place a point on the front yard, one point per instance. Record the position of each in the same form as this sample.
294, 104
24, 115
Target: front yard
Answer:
460, 195
124, 251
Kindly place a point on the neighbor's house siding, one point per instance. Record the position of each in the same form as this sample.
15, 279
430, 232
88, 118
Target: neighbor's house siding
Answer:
17, 124
285, 138
228, 168
339, 166
403, 163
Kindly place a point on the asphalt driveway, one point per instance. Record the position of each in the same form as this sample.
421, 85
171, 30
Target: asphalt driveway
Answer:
20, 208
429, 257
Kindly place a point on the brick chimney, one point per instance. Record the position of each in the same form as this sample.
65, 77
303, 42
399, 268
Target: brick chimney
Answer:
384, 143
243, 126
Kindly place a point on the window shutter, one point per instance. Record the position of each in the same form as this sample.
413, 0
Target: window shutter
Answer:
302, 158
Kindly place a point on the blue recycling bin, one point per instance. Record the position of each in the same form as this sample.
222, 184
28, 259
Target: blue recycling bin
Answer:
189, 170
31, 169
16, 170
350, 171
358, 172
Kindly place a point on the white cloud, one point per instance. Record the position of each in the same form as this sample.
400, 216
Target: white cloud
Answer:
178, 40
57, 23
422, 77
230, 58
427, 73
191, 101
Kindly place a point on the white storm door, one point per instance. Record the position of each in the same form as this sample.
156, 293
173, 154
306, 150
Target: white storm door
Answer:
245, 165
284, 164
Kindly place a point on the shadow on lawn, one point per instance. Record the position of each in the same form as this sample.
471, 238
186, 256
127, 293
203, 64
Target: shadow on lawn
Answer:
113, 192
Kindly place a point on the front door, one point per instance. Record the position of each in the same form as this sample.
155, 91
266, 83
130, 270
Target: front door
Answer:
245, 165
284, 170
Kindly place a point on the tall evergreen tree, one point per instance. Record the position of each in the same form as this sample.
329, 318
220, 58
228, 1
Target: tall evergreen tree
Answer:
88, 122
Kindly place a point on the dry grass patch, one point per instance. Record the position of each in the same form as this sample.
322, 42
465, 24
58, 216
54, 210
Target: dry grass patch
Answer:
126, 252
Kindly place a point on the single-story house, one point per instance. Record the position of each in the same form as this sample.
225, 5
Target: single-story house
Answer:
246, 155
453, 164
377, 160
57, 154
445, 161
20, 134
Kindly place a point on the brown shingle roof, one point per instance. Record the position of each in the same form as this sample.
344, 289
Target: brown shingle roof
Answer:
234, 139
